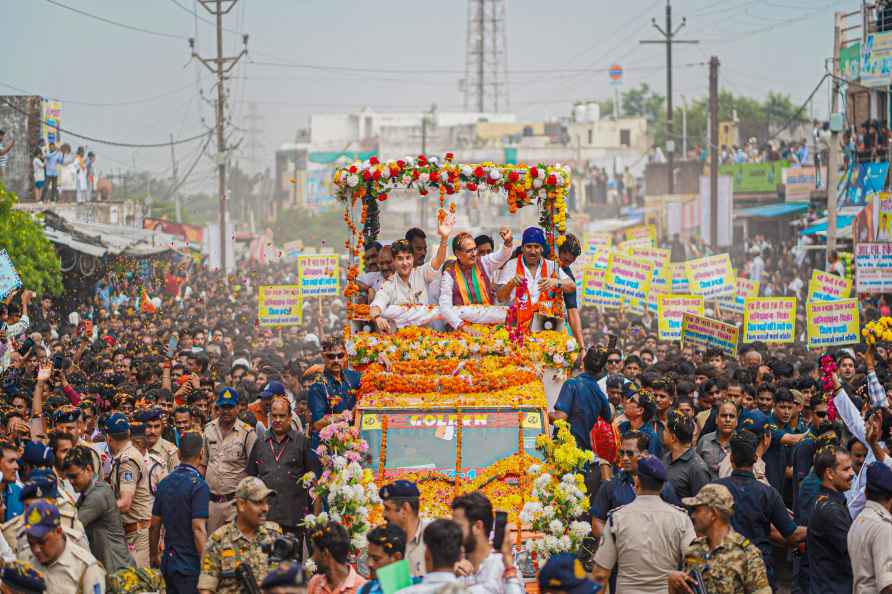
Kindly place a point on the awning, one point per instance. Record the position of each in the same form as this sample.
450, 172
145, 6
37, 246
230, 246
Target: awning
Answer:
772, 211
819, 227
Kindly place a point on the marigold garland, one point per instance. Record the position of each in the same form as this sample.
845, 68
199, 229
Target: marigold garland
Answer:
458, 452
382, 454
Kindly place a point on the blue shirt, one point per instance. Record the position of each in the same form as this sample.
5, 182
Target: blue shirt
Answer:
53, 160
569, 298
12, 498
620, 490
583, 402
655, 444
328, 395
758, 507
778, 456
182, 496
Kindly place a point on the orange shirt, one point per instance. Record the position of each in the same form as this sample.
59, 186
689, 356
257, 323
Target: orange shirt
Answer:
319, 584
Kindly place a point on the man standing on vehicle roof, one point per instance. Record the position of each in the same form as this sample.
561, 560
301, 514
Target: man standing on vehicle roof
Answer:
542, 277
402, 502
333, 391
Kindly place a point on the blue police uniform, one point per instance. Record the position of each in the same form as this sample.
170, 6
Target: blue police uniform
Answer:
13, 500
620, 490
582, 400
328, 395
757, 507
182, 496
778, 457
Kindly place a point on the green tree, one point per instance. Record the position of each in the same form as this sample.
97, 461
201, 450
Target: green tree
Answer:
31, 252
643, 102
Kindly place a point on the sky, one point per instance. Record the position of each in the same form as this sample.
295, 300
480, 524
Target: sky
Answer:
133, 82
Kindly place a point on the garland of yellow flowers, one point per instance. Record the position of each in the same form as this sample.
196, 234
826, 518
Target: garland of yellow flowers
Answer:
382, 455
458, 436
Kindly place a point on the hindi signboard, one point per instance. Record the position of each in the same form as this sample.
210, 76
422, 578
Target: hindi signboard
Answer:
279, 305
711, 277
661, 281
707, 333
832, 323
679, 278
648, 232
671, 310
824, 286
873, 267
745, 288
595, 293
629, 277
319, 275
769, 319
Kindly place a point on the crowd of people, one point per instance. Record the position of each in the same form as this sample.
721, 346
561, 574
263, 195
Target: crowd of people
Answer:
154, 435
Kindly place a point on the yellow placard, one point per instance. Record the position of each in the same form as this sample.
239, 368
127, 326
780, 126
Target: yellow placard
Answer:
769, 319
279, 305
832, 323
824, 286
662, 275
597, 241
679, 278
671, 310
629, 277
595, 293
648, 232
371, 422
318, 275
531, 420
711, 277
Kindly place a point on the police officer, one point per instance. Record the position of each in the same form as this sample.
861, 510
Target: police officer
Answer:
645, 539
284, 579
239, 541
227, 445
401, 502
828, 526
334, 390
21, 577
728, 562
157, 446
70, 420
129, 479
155, 465
42, 485
563, 574
870, 537
66, 566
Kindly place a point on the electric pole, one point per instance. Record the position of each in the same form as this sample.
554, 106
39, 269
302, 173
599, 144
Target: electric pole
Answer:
833, 161
668, 39
714, 151
221, 67
175, 181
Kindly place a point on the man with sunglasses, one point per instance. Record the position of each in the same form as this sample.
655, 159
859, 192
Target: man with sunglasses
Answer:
614, 366
334, 390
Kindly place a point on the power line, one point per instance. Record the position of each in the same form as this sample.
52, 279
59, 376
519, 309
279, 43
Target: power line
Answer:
107, 142
91, 104
193, 13
115, 23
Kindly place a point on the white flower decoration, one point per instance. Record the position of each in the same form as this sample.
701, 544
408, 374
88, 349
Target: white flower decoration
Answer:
352, 180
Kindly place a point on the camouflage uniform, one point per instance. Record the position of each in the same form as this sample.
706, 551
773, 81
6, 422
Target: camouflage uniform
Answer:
734, 567
227, 548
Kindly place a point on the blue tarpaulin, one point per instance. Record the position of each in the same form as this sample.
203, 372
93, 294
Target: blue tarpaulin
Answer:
771, 211
820, 227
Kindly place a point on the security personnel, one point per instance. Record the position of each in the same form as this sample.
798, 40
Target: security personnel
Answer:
728, 562
645, 539
334, 390
157, 446
401, 502
66, 567
21, 577
42, 485
68, 419
563, 574
870, 537
828, 526
227, 446
757, 506
239, 541
129, 479
284, 579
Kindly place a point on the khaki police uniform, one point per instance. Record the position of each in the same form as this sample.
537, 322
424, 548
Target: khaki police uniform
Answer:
97, 460
733, 567
415, 550
227, 460
870, 549
645, 540
226, 549
157, 468
129, 473
167, 452
76, 571
14, 529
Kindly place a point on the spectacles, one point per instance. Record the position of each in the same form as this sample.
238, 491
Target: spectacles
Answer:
820, 414
614, 361
334, 355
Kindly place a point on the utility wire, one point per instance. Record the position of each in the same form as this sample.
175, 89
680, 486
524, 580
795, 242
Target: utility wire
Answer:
115, 23
201, 18
110, 142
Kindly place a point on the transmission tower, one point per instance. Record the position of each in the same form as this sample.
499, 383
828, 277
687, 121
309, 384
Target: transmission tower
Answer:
486, 57
255, 133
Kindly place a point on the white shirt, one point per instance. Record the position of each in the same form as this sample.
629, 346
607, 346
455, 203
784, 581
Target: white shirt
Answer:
488, 579
532, 276
396, 291
373, 280
37, 164
490, 263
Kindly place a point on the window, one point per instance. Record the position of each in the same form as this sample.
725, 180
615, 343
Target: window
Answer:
591, 137
625, 137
